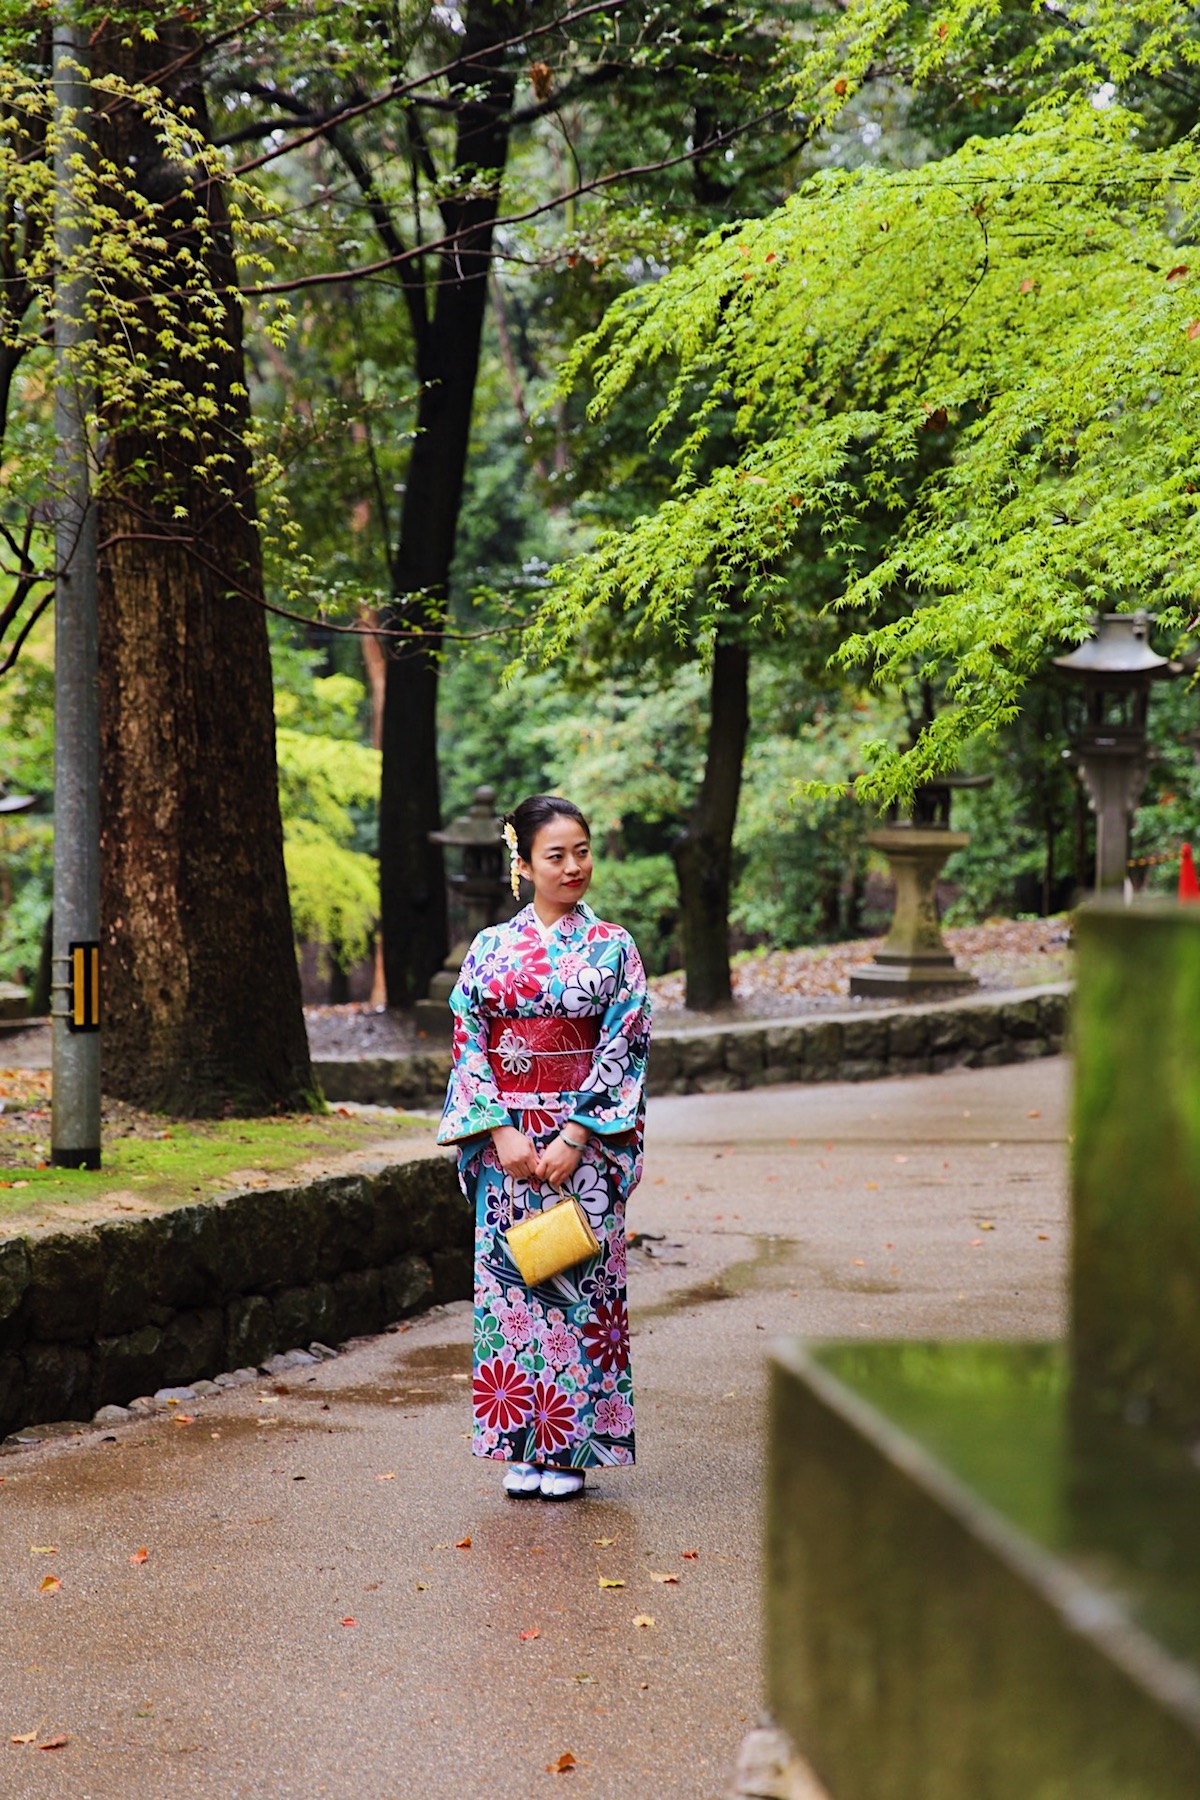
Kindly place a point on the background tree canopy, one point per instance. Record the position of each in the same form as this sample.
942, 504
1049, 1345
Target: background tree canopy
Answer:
639, 398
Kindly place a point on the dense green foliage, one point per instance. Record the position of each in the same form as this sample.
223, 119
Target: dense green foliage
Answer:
1023, 304
907, 373
328, 785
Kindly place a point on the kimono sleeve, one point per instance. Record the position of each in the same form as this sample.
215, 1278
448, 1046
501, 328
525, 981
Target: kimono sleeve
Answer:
473, 1103
610, 1103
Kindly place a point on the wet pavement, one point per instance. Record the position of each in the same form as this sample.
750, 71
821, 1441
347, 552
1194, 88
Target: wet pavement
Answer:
336, 1600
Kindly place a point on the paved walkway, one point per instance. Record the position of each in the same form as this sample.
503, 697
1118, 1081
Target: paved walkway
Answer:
309, 1619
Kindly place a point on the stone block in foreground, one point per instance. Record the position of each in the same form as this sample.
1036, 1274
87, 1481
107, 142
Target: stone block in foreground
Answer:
921, 1645
1136, 1237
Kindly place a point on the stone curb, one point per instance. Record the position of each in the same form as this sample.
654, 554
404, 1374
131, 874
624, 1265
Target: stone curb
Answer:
102, 1314
978, 1032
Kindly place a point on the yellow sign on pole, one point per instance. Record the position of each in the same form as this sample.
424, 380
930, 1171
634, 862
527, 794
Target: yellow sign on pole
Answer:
84, 1013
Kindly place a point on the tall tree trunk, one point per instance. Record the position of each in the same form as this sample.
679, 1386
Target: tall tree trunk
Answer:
704, 854
411, 876
203, 1011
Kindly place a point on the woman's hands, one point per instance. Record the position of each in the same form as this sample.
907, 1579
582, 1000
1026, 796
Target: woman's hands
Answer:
518, 1157
559, 1161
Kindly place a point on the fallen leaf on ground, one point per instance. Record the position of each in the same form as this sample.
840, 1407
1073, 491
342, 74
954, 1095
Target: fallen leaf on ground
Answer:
671, 1580
185, 1418
535, 1631
1043, 1237
603, 1543
349, 1621
139, 1556
390, 1476
422, 1587
55, 1743
986, 1225
43, 1549
49, 1584
642, 1621
690, 1555
25, 1737
462, 1543
606, 1581
1035, 1114
563, 1766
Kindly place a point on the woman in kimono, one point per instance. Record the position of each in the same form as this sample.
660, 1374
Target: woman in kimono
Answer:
546, 1097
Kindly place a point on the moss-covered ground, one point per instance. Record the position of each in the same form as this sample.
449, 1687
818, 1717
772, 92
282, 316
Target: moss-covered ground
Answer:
151, 1162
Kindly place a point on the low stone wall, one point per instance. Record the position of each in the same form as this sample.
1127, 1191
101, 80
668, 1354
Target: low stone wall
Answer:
914, 1040
105, 1313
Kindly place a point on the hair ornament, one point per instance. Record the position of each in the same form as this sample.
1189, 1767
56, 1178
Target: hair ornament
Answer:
514, 874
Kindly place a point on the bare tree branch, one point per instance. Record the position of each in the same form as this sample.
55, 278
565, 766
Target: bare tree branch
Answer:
452, 242
398, 89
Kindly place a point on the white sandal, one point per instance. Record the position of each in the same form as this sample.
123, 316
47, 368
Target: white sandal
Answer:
561, 1484
522, 1481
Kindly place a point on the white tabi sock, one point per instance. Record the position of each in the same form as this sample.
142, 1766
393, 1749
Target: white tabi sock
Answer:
523, 1480
561, 1484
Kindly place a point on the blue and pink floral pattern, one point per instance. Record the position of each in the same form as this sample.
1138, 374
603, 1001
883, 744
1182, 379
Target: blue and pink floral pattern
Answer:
552, 1380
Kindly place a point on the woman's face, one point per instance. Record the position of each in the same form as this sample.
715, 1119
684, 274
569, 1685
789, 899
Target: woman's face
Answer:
560, 863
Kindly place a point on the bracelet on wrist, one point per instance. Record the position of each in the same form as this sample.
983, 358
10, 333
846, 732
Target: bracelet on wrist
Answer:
573, 1142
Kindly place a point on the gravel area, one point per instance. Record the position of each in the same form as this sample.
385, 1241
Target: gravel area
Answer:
1003, 953
768, 984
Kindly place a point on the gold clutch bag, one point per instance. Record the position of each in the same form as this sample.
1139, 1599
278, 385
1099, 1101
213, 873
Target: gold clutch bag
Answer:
547, 1242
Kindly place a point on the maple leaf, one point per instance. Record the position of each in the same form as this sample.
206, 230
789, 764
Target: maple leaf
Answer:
643, 1621
25, 1737
463, 1543
139, 1556
563, 1766
689, 1555
55, 1743
527, 1637
49, 1584
606, 1581
669, 1580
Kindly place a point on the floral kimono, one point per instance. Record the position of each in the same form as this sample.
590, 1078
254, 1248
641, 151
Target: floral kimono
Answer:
551, 1368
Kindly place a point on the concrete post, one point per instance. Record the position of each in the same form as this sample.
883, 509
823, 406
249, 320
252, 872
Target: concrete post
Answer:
75, 1131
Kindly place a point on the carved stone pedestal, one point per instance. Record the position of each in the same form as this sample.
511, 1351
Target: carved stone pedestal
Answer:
914, 956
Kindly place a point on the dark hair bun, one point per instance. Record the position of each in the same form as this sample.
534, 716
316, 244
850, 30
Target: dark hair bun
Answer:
538, 810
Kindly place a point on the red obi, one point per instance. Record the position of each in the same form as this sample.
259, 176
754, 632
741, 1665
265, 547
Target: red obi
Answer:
541, 1056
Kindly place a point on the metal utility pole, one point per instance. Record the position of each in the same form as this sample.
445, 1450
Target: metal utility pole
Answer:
75, 993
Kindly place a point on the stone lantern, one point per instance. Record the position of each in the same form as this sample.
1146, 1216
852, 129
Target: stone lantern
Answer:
482, 883
1115, 668
913, 958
